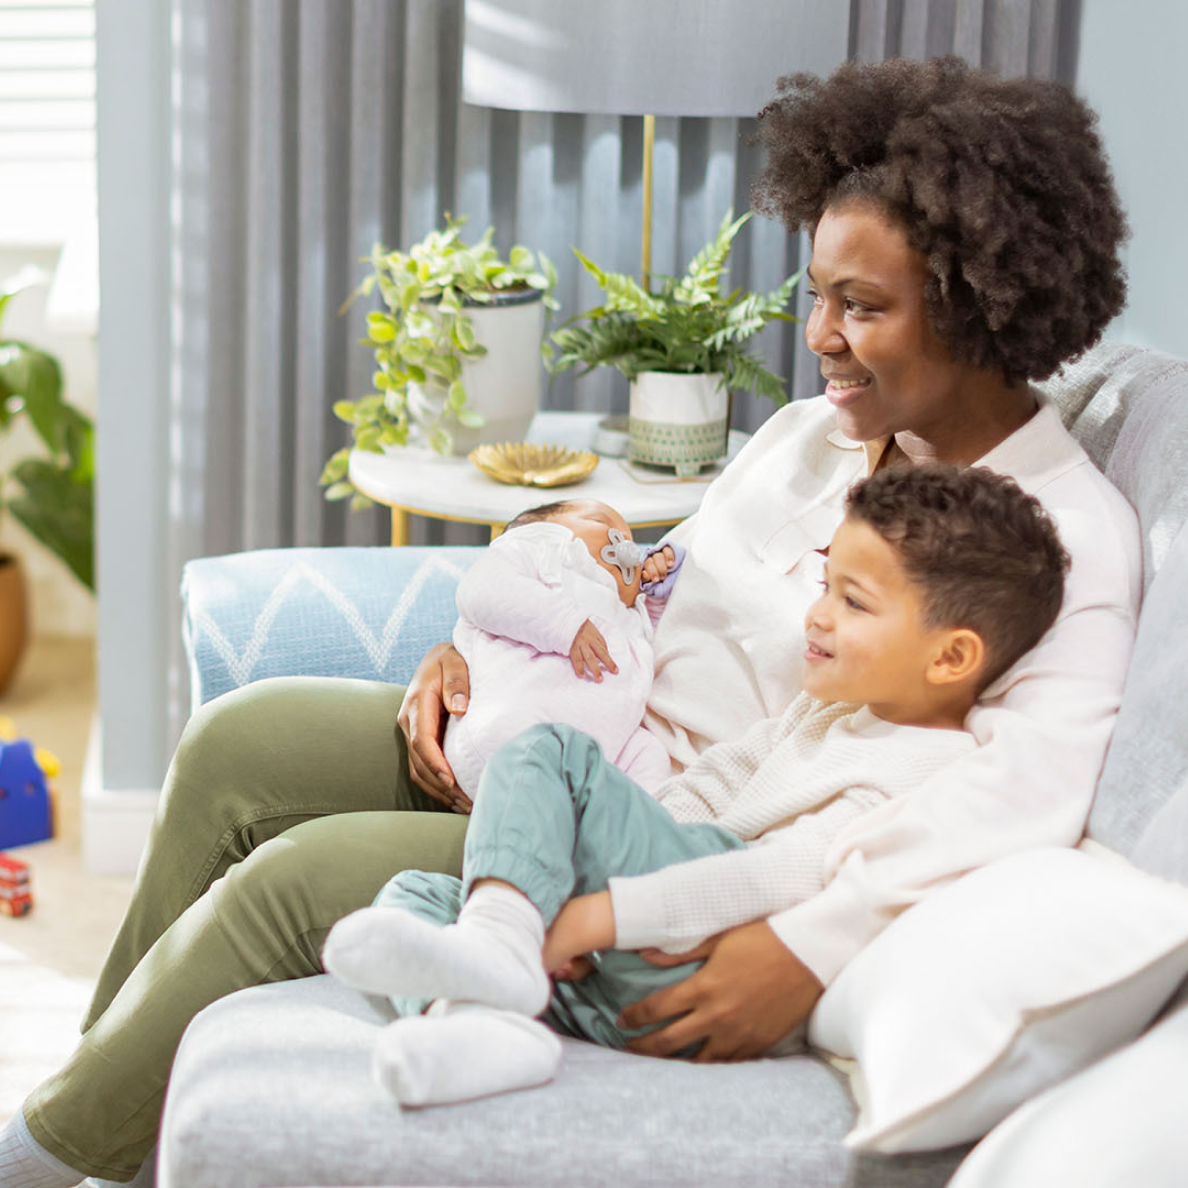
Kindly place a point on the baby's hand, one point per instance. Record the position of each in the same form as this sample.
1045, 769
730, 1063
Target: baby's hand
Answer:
656, 567
589, 654
659, 570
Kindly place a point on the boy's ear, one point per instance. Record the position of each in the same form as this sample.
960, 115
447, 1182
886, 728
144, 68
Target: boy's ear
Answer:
960, 657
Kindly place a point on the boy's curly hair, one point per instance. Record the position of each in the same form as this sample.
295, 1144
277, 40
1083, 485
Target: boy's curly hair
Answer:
985, 554
1002, 184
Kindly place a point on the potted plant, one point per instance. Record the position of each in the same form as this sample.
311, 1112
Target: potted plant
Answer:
457, 348
50, 494
683, 348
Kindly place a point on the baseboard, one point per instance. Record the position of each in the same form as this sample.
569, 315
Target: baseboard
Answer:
115, 824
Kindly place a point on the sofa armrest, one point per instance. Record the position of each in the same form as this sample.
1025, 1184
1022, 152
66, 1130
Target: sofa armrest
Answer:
369, 613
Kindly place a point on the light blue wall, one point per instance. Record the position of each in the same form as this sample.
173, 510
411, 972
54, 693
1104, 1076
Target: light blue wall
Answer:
1133, 68
133, 95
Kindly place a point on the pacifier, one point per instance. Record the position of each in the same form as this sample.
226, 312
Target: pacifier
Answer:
623, 552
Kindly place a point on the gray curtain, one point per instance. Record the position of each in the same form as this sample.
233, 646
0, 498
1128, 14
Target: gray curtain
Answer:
306, 130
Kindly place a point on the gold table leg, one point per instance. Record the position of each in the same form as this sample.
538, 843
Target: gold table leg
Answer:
399, 527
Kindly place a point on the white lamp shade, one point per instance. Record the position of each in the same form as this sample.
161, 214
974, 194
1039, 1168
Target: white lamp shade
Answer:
644, 57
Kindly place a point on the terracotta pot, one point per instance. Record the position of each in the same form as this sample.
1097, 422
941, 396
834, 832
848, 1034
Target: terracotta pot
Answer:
14, 618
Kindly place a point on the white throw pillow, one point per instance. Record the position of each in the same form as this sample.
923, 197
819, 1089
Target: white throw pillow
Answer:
996, 988
1122, 1121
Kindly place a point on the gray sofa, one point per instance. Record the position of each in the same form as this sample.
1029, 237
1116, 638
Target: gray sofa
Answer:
272, 1085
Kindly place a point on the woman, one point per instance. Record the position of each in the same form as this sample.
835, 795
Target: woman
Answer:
965, 241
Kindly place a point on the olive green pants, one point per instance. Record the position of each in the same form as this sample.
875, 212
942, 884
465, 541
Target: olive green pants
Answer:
287, 805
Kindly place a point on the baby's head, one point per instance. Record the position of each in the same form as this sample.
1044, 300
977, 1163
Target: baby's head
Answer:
937, 581
592, 523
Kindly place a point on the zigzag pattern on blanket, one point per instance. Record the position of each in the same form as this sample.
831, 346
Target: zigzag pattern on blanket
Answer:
369, 613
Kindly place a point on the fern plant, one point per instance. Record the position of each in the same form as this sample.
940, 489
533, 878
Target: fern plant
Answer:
689, 325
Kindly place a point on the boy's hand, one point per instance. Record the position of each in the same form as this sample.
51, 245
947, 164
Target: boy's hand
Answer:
589, 654
585, 923
656, 566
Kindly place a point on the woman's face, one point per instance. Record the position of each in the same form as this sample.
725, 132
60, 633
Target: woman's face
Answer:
888, 371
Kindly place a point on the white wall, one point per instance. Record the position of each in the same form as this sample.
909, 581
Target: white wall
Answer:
1132, 70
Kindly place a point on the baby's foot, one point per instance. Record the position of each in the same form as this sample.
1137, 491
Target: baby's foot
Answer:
464, 1052
484, 957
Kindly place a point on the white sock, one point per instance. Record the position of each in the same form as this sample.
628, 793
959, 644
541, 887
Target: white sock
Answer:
460, 1051
491, 955
25, 1163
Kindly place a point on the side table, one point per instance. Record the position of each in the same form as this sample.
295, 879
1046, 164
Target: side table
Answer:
420, 482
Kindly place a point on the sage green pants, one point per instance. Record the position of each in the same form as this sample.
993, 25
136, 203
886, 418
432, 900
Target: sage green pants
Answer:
287, 805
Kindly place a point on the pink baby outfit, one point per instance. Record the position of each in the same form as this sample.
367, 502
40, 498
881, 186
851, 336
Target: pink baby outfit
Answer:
520, 606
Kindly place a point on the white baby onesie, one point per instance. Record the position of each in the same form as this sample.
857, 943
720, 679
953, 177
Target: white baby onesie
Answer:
520, 606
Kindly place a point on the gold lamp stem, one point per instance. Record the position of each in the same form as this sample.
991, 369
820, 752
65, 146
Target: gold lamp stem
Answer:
649, 140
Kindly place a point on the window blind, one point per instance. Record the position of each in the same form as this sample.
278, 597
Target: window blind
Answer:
47, 119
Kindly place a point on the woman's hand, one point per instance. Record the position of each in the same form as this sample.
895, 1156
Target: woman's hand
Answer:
589, 654
440, 686
585, 923
750, 993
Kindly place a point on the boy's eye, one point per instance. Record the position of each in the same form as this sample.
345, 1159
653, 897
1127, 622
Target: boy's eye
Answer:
853, 603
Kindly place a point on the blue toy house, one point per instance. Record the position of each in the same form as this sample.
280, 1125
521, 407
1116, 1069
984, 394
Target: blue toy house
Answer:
26, 810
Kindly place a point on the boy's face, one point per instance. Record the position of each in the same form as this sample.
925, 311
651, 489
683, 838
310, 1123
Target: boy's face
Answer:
591, 522
867, 639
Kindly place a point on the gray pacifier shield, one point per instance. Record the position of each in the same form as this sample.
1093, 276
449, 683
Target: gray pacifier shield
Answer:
624, 553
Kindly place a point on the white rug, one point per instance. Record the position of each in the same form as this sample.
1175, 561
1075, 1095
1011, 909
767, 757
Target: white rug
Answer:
40, 1010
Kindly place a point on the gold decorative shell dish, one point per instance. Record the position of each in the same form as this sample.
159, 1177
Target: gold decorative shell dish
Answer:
533, 465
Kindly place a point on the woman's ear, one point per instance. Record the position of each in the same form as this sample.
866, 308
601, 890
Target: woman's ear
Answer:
960, 656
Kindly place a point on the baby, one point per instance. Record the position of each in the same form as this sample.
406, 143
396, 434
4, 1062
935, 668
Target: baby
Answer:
557, 597
936, 582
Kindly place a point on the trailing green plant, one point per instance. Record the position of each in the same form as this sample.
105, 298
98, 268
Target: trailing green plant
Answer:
423, 335
688, 325
51, 495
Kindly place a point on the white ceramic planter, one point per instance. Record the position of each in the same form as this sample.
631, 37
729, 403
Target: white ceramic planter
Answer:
504, 385
678, 420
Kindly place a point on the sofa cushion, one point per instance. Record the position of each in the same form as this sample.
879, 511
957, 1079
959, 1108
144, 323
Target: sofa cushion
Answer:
369, 613
272, 1086
953, 1026
1119, 1122
1129, 408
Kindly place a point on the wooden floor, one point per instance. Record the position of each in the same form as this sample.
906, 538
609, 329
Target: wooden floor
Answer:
49, 958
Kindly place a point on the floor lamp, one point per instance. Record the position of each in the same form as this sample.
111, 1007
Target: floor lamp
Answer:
645, 58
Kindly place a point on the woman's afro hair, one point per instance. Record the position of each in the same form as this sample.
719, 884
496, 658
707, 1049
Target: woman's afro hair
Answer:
1001, 184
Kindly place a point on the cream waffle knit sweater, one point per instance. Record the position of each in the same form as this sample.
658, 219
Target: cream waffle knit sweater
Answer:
788, 787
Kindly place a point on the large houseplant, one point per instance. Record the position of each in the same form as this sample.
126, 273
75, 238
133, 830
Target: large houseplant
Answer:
688, 328
50, 493
457, 347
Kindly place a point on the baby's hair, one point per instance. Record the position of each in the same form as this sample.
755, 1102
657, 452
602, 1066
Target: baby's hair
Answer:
535, 515
985, 554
